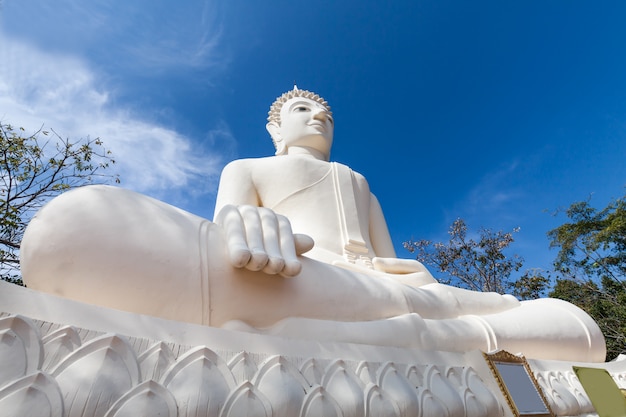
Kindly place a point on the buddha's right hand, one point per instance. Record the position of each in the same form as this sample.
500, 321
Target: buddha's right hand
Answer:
260, 239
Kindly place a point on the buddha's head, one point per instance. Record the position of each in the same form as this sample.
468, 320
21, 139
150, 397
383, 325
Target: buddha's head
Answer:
301, 118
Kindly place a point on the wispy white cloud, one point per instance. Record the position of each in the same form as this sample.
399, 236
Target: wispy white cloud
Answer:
188, 38
141, 35
494, 201
62, 92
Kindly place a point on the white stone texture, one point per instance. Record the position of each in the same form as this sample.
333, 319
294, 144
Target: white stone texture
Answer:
82, 362
60, 368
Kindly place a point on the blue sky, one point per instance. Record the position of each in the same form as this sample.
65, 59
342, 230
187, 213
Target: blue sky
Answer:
497, 112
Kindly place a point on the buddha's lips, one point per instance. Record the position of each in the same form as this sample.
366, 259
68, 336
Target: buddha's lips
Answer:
317, 124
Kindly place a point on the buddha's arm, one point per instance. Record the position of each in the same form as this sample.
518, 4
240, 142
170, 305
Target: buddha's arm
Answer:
258, 239
379, 233
236, 186
385, 260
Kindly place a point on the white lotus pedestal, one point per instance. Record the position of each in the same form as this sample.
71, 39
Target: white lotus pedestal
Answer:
63, 358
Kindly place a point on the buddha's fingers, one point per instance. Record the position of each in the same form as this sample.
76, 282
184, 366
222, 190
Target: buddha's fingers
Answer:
304, 243
231, 221
398, 266
288, 248
254, 237
271, 241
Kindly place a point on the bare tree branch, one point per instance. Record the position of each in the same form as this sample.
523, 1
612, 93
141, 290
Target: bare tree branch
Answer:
32, 173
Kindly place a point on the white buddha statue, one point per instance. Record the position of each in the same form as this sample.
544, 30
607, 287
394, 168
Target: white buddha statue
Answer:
299, 247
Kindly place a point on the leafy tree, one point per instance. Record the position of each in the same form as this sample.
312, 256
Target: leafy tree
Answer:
33, 169
593, 243
591, 264
479, 265
530, 286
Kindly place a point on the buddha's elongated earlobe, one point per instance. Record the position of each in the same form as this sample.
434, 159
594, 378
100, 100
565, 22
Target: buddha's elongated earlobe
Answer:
274, 130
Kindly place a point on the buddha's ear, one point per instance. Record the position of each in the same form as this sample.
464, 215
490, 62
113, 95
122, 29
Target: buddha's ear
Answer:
274, 130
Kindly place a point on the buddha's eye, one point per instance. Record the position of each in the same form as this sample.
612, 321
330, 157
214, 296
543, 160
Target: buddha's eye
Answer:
301, 109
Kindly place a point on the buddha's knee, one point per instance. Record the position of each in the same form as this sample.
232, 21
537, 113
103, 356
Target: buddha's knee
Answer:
117, 248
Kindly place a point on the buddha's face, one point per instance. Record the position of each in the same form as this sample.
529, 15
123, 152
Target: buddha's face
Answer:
304, 123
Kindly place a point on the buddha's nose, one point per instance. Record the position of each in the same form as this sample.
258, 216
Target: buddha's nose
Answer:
321, 115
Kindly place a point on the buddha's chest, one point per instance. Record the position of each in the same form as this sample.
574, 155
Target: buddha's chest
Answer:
329, 203
313, 184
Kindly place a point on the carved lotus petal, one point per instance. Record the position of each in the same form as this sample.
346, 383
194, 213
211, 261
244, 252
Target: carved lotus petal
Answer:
473, 405
552, 387
415, 375
313, 371
566, 392
546, 382
21, 350
146, 399
282, 384
454, 374
155, 361
96, 375
579, 392
242, 367
399, 388
378, 403
366, 372
35, 395
58, 344
13, 356
432, 406
478, 392
443, 389
247, 401
319, 403
200, 382
345, 388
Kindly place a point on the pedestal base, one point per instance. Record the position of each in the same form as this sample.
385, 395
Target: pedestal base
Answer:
61, 357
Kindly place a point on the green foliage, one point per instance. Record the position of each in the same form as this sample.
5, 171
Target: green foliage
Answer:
594, 242
591, 264
33, 169
479, 265
531, 285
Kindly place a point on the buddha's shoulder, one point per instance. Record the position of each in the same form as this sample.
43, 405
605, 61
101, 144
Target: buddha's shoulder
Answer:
272, 163
245, 164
